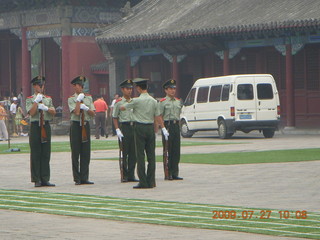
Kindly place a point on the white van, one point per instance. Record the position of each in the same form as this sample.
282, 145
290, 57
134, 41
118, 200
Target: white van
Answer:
231, 103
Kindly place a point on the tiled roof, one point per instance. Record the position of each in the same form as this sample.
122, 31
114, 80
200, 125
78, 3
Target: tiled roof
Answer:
174, 19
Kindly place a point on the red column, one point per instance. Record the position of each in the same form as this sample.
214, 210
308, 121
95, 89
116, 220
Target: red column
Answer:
25, 64
289, 85
65, 75
226, 62
175, 73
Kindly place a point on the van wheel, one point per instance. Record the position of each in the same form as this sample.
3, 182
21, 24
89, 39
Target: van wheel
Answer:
268, 133
223, 130
185, 132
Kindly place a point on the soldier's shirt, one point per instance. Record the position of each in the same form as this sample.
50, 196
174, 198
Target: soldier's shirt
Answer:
72, 101
170, 108
145, 108
46, 100
125, 115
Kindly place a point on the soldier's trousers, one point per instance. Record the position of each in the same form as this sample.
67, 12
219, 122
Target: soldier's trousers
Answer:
80, 152
174, 142
129, 155
39, 153
144, 138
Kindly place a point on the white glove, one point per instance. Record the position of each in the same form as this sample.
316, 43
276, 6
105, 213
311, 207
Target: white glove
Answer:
165, 133
38, 98
119, 134
43, 107
84, 107
80, 97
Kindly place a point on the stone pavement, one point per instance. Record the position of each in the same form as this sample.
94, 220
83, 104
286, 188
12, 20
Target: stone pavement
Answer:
273, 185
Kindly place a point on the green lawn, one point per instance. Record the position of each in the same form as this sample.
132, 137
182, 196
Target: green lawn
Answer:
95, 145
276, 156
192, 215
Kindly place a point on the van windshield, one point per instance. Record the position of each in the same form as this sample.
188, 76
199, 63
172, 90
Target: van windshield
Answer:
245, 92
190, 98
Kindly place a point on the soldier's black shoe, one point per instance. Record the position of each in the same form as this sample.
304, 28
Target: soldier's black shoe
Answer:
47, 184
37, 184
86, 182
177, 178
77, 183
133, 180
139, 186
168, 178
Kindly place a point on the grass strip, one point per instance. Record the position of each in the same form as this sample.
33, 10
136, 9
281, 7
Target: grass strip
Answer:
275, 156
162, 212
95, 145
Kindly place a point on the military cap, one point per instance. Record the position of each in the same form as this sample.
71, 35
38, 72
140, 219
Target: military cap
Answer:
38, 80
140, 81
79, 80
126, 84
171, 83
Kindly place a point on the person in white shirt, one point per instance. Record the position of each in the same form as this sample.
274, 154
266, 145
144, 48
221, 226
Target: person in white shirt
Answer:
13, 111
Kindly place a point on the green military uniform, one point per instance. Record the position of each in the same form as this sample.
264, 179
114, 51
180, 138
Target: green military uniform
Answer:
145, 108
125, 119
40, 153
170, 109
79, 149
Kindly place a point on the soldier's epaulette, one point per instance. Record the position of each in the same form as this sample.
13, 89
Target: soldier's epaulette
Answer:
178, 98
47, 96
70, 96
30, 96
118, 100
86, 94
163, 99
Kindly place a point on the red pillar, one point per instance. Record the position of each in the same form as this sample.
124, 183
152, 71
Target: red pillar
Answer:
25, 64
226, 62
65, 83
175, 73
289, 85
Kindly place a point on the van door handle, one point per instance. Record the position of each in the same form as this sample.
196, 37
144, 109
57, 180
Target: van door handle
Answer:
259, 103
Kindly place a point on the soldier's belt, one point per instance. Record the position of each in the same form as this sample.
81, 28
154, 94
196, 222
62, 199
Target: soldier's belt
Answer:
78, 122
127, 123
37, 122
172, 122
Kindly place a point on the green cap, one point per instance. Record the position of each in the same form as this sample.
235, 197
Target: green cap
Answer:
38, 80
79, 80
126, 84
171, 83
140, 81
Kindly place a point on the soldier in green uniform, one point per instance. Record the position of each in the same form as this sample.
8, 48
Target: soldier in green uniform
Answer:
170, 109
41, 111
145, 114
82, 110
123, 123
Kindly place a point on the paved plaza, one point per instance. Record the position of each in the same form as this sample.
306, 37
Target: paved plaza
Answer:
292, 185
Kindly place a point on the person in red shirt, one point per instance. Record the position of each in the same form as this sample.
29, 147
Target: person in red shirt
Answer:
101, 116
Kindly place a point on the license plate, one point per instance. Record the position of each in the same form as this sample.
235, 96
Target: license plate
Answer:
245, 116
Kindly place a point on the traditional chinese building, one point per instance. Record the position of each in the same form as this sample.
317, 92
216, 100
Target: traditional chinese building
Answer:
55, 38
189, 39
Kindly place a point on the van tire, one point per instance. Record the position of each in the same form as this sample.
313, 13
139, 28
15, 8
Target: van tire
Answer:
222, 130
185, 132
268, 133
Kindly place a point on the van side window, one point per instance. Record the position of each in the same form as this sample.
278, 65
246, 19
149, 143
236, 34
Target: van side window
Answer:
265, 91
202, 96
190, 98
245, 92
215, 93
225, 92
